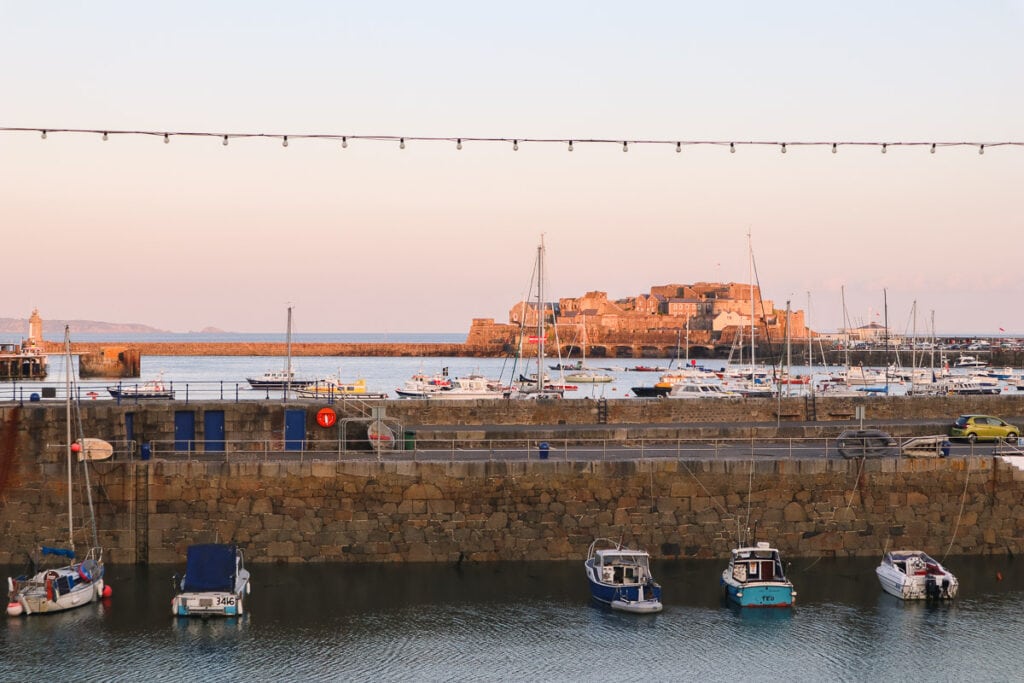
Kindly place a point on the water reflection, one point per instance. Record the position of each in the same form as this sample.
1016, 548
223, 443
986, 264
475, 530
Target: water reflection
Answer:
518, 621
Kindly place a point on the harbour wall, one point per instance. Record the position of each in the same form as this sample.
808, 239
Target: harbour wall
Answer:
319, 507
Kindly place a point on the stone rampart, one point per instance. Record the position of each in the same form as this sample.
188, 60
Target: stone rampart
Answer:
312, 507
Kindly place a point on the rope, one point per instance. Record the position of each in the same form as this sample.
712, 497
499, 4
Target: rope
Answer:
963, 500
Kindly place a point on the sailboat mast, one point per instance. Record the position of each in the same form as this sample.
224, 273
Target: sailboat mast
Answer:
750, 276
67, 415
810, 346
288, 362
540, 317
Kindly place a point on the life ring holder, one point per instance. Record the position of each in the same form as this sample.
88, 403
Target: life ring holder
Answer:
49, 578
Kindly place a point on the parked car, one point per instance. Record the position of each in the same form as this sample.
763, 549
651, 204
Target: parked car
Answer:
982, 428
866, 443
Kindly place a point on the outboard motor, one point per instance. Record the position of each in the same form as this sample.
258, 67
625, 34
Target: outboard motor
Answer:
931, 589
945, 587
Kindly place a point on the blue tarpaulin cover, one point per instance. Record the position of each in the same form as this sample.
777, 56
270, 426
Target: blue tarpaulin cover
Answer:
63, 552
210, 567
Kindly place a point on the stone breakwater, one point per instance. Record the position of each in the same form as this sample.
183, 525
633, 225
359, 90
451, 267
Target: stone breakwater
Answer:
370, 511
318, 506
279, 350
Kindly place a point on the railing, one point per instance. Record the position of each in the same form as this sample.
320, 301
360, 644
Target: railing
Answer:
534, 448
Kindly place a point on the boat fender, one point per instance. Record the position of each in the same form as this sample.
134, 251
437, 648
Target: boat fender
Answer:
14, 608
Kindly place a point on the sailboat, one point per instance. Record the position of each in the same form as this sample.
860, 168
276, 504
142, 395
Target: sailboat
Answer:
281, 379
539, 387
583, 374
71, 583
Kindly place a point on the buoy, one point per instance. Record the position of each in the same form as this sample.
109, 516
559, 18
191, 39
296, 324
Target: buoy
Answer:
999, 576
107, 591
75, 447
14, 609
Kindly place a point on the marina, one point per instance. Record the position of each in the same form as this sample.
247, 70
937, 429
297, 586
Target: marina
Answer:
512, 621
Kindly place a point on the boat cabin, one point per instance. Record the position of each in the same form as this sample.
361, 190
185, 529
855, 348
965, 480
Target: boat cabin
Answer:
761, 563
622, 566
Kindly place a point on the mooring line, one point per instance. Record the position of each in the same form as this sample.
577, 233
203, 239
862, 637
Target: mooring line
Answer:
963, 500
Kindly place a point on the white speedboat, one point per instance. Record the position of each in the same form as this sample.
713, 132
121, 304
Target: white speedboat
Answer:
153, 389
913, 575
695, 389
755, 578
621, 578
215, 582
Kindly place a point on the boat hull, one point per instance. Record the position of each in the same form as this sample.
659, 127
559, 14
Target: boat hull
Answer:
760, 594
905, 587
56, 590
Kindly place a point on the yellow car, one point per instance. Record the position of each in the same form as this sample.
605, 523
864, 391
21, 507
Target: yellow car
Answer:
982, 428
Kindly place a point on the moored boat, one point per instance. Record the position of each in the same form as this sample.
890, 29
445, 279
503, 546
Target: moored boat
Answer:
621, 578
755, 578
152, 389
215, 582
277, 379
913, 575
334, 388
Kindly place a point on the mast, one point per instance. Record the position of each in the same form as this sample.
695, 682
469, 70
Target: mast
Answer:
789, 355
540, 316
67, 415
288, 362
885, 361
810, 346
750, 276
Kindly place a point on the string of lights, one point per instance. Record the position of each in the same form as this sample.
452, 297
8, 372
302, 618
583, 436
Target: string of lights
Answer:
570, 143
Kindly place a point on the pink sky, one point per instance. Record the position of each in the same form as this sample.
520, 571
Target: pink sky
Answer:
373, 238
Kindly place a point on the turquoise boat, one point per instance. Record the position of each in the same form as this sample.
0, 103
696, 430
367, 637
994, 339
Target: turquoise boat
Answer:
755, 578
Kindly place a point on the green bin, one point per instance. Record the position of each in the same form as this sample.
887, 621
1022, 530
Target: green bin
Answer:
410, 440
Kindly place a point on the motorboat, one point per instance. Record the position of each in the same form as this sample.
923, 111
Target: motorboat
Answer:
657, 391
969, 362
701, 390
755, 578
421, 385
334, 388
621, 578
152, 389
473, 387
278, 379
588, 377
913, 575
215, 582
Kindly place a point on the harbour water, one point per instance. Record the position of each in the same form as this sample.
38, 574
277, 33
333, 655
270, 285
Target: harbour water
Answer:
531, 621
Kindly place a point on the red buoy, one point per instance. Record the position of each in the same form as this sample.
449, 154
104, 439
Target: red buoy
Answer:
107, 591
75, 447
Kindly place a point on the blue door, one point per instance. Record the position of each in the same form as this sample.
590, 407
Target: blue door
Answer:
184, 430
213, 431
294, 429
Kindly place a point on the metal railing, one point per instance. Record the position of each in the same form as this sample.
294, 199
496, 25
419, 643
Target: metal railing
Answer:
534, 448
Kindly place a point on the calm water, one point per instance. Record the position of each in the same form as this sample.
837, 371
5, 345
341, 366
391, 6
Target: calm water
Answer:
529, 621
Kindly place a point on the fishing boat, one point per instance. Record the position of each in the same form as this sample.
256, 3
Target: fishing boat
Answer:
57, 581
153, 389
421, 385
755, 578
334, 388
281, 379
215, 582
913, 575
621, 578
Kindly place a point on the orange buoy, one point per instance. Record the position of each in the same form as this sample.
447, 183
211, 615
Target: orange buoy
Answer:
107, 591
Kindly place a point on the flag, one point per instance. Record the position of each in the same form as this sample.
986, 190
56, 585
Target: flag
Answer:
1002, 330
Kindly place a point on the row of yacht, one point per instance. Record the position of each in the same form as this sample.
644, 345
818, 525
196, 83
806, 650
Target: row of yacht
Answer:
621, 578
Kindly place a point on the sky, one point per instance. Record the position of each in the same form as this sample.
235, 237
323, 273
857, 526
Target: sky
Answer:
373, 238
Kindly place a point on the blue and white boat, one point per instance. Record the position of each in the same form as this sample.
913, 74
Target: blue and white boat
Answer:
621, 578
215, 582
755, 578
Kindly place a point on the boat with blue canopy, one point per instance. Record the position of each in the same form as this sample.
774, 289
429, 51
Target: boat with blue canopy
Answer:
215, 582
621, 578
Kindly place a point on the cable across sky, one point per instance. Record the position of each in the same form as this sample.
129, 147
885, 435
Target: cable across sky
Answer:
515, 142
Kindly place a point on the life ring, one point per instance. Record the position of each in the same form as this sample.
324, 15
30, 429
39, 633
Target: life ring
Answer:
50, 577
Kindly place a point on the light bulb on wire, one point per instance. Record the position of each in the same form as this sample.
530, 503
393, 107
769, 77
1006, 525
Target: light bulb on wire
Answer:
833, 148
104, 136
570, 145
625, 146
933, 148
167, 138
401, 143
732, 147
679, 147
884, 147
284, 141
515, 145
225, 141
981, 149
344, 142
44, 134
458, 144
783, 147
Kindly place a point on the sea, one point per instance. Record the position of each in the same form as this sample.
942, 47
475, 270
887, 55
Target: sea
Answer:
528, 622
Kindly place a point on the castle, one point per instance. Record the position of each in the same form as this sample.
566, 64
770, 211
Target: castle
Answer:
708, 314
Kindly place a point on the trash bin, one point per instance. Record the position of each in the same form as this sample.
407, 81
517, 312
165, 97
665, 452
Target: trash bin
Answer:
544, 448
145, 451
33, 397
410, 440
944, 448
